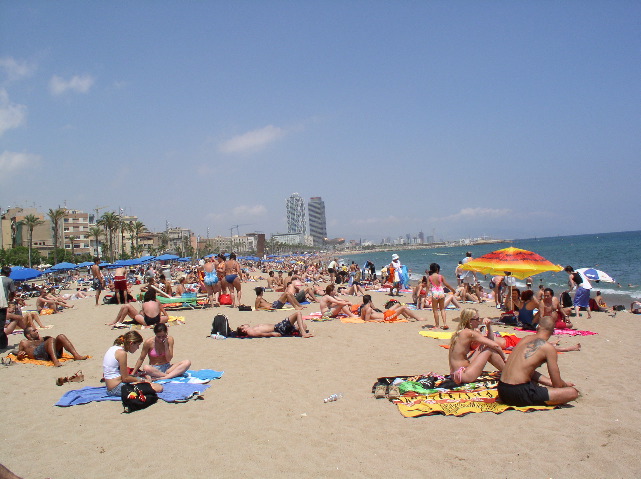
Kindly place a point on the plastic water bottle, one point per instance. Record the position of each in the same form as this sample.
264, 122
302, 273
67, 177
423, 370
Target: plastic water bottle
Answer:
218, 336
333, 397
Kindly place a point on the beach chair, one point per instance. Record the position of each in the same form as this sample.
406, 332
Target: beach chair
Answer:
187, 300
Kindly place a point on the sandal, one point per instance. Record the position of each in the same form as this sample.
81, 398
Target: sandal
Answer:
445, 327
77, 378
6, 361
61, 381
380, 391
393, 392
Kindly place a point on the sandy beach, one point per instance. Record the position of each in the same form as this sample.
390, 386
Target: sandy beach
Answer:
266, 416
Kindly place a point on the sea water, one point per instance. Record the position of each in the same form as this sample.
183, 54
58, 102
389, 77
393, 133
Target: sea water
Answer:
617, 254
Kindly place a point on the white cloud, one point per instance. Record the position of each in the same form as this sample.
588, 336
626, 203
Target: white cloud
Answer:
476, 213
77, 83
16, 70
12, 115
245, 210
11, 162
252, 140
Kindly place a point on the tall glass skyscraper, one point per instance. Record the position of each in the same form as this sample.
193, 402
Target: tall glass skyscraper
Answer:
296, 214
317, 222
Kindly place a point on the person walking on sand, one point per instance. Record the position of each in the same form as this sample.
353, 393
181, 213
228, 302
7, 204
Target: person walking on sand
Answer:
522, 385
98, 282
437, 293
583, 288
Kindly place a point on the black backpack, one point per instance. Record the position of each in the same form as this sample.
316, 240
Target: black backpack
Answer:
137, 396
220, 325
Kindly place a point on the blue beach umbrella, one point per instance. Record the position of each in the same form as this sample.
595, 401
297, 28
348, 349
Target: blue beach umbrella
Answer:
85, 264
63, 266
24, 274
186, 259
166, 257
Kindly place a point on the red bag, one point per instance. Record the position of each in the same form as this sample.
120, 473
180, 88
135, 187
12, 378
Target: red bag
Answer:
225, 299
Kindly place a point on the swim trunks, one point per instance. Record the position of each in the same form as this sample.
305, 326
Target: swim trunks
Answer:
211, 278
41, 353
230, 278
96, 284
525, 394
285, 327
511, 341
300, 296
120, 283
151, 321
277, 304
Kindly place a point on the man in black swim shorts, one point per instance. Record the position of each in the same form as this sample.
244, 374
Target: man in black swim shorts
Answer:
47, 348
522, 385
286, 327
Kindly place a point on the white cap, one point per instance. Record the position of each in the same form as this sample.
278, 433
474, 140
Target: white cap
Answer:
394, 256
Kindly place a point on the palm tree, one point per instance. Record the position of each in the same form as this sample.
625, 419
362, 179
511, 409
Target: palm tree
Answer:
56, 217
31, 221
135, 230
110, 222
72, 240
95, 232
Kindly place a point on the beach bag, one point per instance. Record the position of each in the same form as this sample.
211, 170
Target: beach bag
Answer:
220, 325
137, 396
225, 299
618, 307
242, 307
509, 319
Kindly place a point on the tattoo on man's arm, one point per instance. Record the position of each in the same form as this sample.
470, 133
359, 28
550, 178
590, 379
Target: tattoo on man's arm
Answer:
533, 347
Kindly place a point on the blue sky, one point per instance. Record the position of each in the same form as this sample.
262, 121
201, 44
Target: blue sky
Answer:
508, 119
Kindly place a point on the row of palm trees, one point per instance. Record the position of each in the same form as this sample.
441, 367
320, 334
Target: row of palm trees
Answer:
108, 226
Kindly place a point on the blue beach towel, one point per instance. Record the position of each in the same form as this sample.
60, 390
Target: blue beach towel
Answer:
201, 376
173, 392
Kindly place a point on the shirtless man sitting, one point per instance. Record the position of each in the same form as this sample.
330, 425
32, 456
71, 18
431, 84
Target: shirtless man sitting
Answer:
301, 291
331, 306
467, 364
518, 385
286, 327
47, 348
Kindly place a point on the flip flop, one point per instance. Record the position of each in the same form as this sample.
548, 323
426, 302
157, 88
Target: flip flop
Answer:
445, 327
77, 378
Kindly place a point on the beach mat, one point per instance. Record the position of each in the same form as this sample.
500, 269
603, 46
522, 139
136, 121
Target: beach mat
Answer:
564, 332
65, 357
437, 334
476, 397
173, 392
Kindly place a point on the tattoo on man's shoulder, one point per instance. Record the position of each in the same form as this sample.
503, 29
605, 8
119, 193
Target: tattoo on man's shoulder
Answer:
533, 347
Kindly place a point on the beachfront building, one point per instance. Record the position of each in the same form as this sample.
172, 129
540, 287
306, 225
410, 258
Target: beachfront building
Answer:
317, 221
75, 232
13, 231
247, 244
295, 208
292, 239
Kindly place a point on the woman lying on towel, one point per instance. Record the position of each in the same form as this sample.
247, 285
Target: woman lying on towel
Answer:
160, 350
368, 312
114, 364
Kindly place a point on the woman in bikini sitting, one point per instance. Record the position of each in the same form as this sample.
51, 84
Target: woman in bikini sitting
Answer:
160, 349
437, 293
421, 294
368, 312
114, 364
466, 367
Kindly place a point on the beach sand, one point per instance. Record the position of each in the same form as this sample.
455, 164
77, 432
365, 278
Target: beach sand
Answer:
266, 416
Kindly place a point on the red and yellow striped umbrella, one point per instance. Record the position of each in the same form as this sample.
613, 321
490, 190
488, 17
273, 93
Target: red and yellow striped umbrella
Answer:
520, 263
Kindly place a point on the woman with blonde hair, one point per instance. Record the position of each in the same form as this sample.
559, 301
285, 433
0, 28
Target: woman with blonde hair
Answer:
114, 364
465, 364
